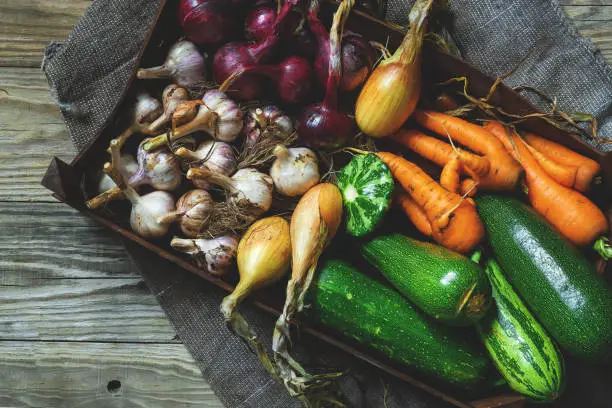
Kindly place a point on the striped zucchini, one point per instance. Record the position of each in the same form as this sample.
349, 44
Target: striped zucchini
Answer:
373, 314
518, 345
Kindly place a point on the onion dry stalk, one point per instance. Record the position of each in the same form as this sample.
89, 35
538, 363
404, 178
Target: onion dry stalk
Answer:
392, 92
314, 223
323, 125
264, 257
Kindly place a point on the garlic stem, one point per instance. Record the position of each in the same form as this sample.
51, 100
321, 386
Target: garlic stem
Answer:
186, 154
169, 218
160, 72
104, 197
172, 97
213, 177
281, 152
204, 120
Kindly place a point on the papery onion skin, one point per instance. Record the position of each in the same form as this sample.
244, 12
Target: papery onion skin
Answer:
322, 128
234, 57
383, 106
207, 22
259, 23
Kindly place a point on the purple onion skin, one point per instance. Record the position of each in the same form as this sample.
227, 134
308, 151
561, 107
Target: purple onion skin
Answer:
357, 62
303, 44
231, 58
259, 23
295, 80
321, 128
207, 22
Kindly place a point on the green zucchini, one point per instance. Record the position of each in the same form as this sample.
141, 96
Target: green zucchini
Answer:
518, 345
556, 282
367, 186
363, 309
444, 284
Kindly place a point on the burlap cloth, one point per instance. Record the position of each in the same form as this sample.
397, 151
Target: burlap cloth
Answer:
88, 75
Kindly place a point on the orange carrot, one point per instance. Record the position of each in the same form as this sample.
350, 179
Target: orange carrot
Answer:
450, 178
468, 187
574, 215
587, 168
505, 172
562, 174
455, 222
439, 152
415, 213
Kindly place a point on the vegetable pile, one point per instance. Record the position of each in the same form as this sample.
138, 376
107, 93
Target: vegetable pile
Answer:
259, 191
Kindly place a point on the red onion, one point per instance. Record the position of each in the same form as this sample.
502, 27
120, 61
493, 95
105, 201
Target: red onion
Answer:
322, 125
207, 22
260, 23
292, 77
303, 44
357, 54
235, 57
357, 61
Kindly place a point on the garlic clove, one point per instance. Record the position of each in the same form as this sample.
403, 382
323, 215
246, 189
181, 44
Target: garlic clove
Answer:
216, 255
129, 167
196, 209
295, 170
229, 121
160, 169
184, 64
147, 211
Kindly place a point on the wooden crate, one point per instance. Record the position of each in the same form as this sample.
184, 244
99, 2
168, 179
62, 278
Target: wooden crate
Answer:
68, 182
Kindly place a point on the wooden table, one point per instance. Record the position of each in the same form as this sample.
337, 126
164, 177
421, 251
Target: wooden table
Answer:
78, 326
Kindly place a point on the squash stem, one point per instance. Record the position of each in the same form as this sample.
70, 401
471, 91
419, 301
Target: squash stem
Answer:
603, 248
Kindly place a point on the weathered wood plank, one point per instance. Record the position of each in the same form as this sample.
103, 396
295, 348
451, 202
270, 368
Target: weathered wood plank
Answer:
109, 375
27, 26
51, 241
83, 310
31, 132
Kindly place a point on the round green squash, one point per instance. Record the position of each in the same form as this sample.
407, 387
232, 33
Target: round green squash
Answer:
367, 187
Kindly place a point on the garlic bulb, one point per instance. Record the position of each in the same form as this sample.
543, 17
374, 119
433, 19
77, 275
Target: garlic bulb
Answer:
216, 255
219, 157
216, 114
195, 209
160, 169
147, 218
247, 188
146, 109
184, 65
172, 97
259, 120
229, 123
128, 168
295, 170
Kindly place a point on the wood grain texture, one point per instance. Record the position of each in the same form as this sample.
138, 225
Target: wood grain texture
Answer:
27, 26
32, 131
105, 375
74, 313
31, 251
83, 310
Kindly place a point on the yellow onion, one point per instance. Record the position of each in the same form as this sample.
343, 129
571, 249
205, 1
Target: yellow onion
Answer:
264, 256
314, 223
390, 95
